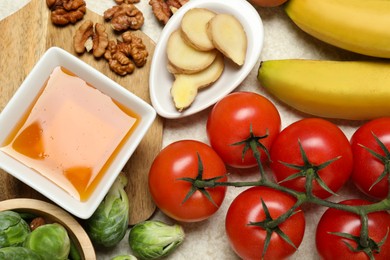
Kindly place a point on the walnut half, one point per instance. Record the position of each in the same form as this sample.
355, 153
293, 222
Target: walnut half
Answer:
118, 60
64, 12
86, 38
83, 33
164, 9
119, 2
137, 48
124, 56
100, 40
124, 17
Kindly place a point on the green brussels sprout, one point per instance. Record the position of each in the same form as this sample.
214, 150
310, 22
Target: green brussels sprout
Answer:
74, 253
13, 229
154, 239
108, 224
124, 257
50, 241
18, 253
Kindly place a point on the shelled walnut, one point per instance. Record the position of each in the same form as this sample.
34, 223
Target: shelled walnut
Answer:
86, 38
37, 222
124, 17
124, 56
119, 2
137, 48
118, 60
82, 36
164, 9
99, 40
64, 12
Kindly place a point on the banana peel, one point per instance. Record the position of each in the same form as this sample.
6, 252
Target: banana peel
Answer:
360, 26
353, 90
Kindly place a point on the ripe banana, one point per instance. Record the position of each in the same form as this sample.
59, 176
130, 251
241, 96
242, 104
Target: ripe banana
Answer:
360, 26
355, 90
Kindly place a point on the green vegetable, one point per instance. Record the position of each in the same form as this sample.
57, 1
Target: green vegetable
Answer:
108, 224
124, 257
18, 253
13, 229
154, 239
74, 253
50, 241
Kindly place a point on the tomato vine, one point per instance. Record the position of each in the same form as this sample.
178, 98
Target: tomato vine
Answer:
364, 242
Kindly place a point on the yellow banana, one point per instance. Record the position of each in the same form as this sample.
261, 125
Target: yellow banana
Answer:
360, 26
355, 90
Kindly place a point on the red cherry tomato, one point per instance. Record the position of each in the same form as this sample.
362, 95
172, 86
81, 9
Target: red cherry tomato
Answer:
368, 168
322, 141
179, 160
230, 122
248, 240
268, 3
333, 247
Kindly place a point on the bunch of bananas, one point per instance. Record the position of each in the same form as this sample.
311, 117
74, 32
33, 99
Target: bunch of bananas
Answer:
356, 90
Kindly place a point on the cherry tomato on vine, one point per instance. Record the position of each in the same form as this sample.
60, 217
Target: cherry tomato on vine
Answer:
180, 160
332, 246
368, 172
247, 239
231, 120
268, 3
328, 155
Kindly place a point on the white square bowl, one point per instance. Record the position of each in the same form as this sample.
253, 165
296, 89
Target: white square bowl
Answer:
20, 104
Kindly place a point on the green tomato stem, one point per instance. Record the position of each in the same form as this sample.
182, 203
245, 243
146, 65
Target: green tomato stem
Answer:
309, 171
364, 238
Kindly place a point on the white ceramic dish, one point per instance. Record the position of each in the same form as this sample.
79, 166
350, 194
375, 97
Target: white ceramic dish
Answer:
161, 80
22, 100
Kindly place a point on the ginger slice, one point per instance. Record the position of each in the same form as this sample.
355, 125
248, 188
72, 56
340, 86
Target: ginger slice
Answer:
172, 69
185, 87
228, 36
194, 28
185, 58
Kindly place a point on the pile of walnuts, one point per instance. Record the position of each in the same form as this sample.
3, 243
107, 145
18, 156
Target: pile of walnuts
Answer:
124, 55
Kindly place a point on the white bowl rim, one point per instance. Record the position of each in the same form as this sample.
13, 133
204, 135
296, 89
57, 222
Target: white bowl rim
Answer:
160, 79
22, 98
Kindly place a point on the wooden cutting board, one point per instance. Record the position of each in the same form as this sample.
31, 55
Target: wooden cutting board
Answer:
25, 36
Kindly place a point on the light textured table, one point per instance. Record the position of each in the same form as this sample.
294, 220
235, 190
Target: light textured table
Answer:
207, 240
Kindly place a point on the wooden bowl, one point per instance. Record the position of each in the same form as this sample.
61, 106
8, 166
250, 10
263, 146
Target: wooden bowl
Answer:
54, 214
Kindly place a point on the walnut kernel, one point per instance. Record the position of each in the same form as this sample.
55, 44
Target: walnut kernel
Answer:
137, 48
83, 33
64, 12
86, 38
124, 56
100, 40
119, 2
164, 9
37, 222
117, 59
124, 17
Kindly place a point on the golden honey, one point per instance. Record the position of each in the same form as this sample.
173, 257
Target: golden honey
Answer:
71, 133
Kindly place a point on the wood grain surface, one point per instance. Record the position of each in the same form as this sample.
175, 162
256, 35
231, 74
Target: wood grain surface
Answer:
25, 36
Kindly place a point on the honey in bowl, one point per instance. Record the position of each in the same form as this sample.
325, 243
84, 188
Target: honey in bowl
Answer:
71, 133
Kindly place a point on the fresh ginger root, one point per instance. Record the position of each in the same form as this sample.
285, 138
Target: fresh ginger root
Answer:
196, 51
185, 87
229, 37
194, 28
185, 58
